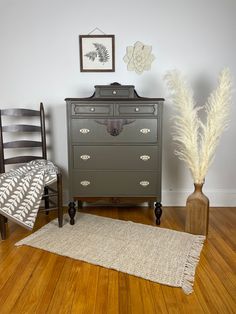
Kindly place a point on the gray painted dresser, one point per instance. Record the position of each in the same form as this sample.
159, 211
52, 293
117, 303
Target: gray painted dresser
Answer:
114, 148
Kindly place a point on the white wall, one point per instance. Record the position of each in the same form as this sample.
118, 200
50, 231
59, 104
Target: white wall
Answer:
39, 61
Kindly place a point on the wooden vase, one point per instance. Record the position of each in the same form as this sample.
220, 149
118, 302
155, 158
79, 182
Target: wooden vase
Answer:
197, 212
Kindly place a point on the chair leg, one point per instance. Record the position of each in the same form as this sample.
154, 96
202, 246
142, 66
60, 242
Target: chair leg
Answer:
59, 199
3, 227
46, 200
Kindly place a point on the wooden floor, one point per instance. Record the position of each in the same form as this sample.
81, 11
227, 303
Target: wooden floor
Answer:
35, 281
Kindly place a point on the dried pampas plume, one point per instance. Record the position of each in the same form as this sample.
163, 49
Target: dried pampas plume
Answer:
196, 141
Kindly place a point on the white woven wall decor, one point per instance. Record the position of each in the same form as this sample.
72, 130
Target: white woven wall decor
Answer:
139, 57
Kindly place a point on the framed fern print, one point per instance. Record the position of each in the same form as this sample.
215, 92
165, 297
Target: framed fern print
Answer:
97, 53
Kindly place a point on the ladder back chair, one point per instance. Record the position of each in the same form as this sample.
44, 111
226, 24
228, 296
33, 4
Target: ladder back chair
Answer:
52, 197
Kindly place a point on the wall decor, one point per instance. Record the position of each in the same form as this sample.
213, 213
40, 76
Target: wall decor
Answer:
97, 53
139, 57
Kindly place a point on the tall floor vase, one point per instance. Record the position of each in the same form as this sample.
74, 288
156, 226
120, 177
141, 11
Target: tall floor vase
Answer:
197, 212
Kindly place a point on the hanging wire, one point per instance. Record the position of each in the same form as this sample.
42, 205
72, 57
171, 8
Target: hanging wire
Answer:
96, 29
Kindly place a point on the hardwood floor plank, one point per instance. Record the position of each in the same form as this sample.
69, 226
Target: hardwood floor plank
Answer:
149, 304
92, 290
125, 305
113, 292
172, 304
229, 255
58, 299
137, 304
70, 287
200, 290
219, 265
17, 282
157, 296
216, 288
84, 300
215, 302
188, 303
102, 291
37, 284
44, 300
10, 264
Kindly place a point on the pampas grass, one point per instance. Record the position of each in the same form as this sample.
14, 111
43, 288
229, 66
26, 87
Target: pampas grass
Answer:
196, 141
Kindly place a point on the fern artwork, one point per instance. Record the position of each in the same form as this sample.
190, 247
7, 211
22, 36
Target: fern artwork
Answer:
96, 53
92, 55
101, 53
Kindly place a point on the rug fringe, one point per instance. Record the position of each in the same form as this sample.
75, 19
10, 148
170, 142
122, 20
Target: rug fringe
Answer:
191, 264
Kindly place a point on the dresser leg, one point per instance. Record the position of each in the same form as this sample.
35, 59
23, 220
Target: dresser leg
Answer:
71, 212
158, 212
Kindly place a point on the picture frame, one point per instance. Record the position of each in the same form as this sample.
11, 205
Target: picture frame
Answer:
97, 53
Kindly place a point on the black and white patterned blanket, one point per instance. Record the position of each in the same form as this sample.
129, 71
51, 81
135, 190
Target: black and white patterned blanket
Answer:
21, 190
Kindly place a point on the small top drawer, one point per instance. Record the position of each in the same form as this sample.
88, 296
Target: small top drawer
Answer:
137, 109
92, 109
114, 91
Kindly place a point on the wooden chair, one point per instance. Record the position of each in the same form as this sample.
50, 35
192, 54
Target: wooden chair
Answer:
52, 196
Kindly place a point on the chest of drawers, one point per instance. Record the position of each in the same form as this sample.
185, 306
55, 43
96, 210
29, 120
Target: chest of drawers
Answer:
114, 148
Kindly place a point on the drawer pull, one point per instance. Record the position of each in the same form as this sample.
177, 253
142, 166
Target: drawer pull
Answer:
136, 109
76, 109
92, 109
145, 131
145, 157
114, 92
84, 157
85, 183
144, 183
84, 131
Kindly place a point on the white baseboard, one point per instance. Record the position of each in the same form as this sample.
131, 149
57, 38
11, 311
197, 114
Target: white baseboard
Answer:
217, 198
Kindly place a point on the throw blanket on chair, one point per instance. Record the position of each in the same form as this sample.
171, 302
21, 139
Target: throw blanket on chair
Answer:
21, 190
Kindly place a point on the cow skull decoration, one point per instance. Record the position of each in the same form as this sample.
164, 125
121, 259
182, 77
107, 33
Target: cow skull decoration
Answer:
114, 126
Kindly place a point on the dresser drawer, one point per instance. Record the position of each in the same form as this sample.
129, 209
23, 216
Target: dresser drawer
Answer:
114, 130
122, 183
136, 109
114, 91
116, 157
93, 109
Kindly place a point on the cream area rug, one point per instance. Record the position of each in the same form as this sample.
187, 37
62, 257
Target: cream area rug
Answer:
153, 253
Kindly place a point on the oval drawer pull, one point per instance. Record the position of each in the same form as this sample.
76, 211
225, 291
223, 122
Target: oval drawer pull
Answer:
137, 109
84, 157
85, 183
144, 183
114, 92
92, 109
145, 131
84, 131
144, 157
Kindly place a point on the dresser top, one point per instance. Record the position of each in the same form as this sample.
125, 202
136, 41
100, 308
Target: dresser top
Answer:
115, 91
